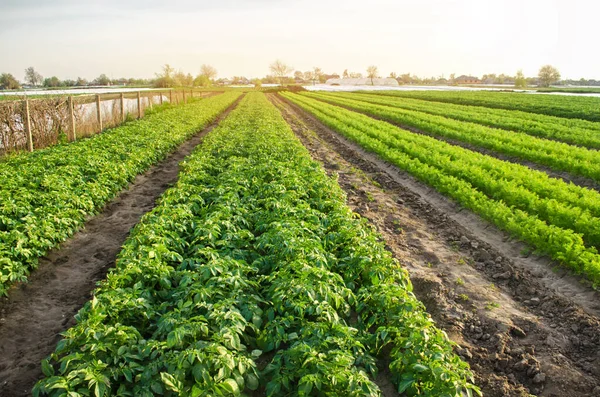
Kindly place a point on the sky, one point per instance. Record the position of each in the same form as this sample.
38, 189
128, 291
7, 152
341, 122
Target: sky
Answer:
134, 38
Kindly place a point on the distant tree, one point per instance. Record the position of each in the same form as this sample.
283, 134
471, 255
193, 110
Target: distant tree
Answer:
520, 80
309, 76
452, 77
298, 75
52, 82
8, 82
345, 75
393, 75
502, 79
318, 75
32, 77
81, 82
102, 80
165, 78
355, 75
69, 83
257, 83
180, 79
372, 73
280, 70
201, 81
208, 71
405, 78
547, 75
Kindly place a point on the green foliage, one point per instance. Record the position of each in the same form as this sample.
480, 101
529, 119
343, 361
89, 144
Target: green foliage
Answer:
556, 155
579, 132
557, 218
572, 107
247, 277
46, 195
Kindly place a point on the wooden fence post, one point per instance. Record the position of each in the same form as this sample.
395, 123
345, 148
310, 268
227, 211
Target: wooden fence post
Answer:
161, 98
139, 101
122, 108
99, 111
72, 118
28, 127
171, 97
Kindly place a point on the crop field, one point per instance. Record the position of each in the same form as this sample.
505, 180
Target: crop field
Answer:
371, 243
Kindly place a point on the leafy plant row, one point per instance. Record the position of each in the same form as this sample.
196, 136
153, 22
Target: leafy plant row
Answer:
573, 107
557, 155
253, 275
45, 196
512, 197
572, 131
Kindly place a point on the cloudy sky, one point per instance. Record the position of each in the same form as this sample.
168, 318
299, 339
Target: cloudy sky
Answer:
133, 38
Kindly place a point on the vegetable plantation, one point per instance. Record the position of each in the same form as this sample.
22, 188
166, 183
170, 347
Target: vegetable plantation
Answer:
557, 218
252, 274
45, 196
255, 275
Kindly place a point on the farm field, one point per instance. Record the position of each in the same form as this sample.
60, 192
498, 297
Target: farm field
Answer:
364, 244
573, 107
45, 196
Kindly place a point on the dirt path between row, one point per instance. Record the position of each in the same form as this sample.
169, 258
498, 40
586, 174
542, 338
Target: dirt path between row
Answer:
34, 314
523, 328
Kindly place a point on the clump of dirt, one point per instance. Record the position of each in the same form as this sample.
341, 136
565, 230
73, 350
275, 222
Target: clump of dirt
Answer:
523, 328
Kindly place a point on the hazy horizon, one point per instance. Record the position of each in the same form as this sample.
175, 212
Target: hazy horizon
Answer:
69, 39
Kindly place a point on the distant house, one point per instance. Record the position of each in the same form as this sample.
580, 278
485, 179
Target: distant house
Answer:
467, 80
388, 81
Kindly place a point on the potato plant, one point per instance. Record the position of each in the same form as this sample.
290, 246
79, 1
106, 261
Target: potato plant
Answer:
45, 196
253, 276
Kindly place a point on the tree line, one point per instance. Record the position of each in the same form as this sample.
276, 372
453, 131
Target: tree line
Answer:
281, 73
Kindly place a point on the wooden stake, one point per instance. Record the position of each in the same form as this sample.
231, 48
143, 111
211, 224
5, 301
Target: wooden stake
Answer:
139, 105
122, 108
99, 112
72, 118
161, 98
28, 126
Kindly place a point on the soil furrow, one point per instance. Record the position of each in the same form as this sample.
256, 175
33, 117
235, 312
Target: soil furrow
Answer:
34, 314
522, 327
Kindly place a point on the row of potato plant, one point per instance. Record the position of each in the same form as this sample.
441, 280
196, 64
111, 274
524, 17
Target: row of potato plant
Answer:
556, 155
566, 106
45, 196
573, 131
513, 197
253, 276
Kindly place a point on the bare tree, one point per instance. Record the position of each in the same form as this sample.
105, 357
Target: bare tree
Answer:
309, 76
345, 75
280, 70
32, 77
317, 74
165, 79
547, 75
298, 75
208, 71
372, 73
355, 75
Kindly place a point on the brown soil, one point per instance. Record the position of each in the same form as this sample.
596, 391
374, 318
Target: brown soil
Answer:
523, 327
34, 314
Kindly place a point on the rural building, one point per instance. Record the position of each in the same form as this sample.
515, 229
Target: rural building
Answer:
388, 81
467, 80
